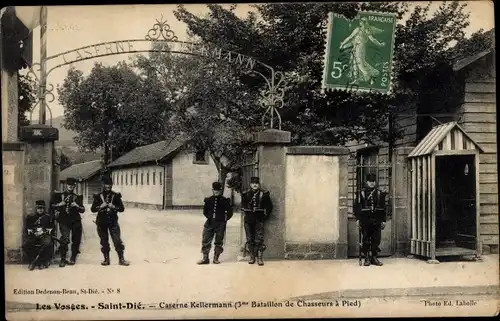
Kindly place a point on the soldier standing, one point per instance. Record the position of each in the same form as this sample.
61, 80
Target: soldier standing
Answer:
68, 207
218, 210
257, 206
39, 244
107, 204
370, 215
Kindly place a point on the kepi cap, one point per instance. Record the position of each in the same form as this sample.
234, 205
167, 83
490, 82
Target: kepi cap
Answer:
70, 181
216, 186
254, 180
106, 180
371, 177
40, 203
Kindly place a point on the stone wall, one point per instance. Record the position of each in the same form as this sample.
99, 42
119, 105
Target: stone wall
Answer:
301, 226
13, 169
13, 187
316, 203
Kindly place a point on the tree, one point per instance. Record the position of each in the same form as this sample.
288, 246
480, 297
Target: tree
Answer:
27, 90
291, 38
111, 109
209, 105
65, 161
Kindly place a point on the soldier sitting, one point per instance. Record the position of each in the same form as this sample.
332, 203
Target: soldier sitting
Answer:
38, 245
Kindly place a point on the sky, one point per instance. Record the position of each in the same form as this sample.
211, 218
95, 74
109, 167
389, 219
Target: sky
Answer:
72, 27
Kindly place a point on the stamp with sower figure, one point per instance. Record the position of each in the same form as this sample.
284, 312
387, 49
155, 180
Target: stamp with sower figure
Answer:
359, 52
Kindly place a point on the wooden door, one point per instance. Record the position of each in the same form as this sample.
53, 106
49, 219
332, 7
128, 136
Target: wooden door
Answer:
466, 202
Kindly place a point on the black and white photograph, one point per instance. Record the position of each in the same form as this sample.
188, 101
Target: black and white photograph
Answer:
250, 160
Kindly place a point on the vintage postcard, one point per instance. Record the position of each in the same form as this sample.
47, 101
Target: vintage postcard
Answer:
280, 160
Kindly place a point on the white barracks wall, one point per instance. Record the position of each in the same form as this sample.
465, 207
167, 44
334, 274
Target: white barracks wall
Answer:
135, 187
191, 183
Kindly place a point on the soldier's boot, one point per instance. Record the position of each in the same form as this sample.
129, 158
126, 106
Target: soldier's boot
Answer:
216, 258
63, 261
204, 260
72, 260
367, 260
106, 259
252, 258
121, 259
260, 260
31, 267
375, 261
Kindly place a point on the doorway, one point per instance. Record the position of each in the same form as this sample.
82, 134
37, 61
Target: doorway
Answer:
455, 204
367, 161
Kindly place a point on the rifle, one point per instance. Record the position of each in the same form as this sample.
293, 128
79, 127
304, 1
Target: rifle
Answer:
45, 232
106, 201
360, 243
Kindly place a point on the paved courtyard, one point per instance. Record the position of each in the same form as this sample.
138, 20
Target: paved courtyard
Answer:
158, 237
163, 248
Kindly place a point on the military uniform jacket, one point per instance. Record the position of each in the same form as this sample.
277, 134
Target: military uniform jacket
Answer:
370, 205
107, 215
218, 208
256, 205
35, 221
67, 213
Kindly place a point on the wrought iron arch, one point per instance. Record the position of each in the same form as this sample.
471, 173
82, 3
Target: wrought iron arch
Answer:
272, 97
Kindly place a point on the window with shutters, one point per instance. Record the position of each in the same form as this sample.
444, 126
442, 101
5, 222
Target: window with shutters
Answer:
142, 178
154, 178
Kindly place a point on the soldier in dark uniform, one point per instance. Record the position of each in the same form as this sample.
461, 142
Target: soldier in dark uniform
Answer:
107, 204
39, 244
370, 213
68, 206
218, 210
257, 206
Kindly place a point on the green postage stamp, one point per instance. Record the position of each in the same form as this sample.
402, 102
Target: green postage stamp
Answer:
359, 52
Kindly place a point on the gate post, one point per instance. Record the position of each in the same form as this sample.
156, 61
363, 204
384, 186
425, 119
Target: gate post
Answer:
13, 167
272, 157
401, 213
39, 163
